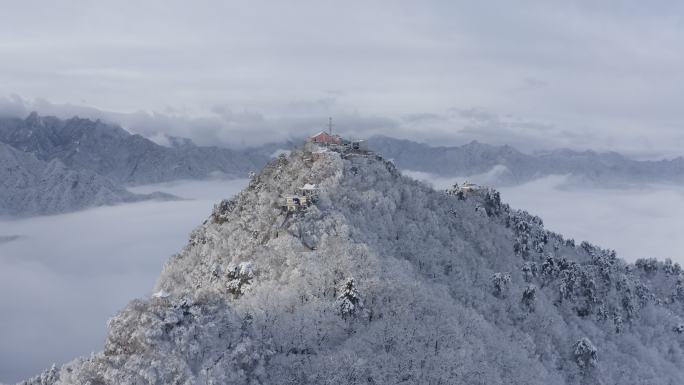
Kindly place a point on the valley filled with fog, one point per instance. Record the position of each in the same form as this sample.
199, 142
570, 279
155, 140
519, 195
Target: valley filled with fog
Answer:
78, 269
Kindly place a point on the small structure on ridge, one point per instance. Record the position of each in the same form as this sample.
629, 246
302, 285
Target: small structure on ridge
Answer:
306, 197
469, 187
335, 142
325, 138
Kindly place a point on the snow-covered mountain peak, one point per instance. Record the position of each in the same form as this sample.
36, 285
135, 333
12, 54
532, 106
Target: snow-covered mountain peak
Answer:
334, 268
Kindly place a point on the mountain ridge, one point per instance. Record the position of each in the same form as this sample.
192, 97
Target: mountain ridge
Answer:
476, 158
30, 186
113, 152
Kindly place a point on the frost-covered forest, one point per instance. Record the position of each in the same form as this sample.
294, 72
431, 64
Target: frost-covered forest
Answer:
384, 280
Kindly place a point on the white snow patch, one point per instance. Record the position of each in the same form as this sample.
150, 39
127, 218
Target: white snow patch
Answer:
160, 139
161, 294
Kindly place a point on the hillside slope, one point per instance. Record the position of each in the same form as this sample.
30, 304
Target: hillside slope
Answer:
385, 281
113, 152
29, 186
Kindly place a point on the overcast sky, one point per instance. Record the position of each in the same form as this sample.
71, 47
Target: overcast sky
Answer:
606, 75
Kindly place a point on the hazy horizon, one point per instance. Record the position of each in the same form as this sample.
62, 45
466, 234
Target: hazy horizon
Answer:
533, 75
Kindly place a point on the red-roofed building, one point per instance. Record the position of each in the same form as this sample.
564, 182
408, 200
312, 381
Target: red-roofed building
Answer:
325, 138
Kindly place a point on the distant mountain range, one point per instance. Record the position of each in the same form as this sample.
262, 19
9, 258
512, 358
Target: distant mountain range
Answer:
113, 152
52, 165
513, 167
30, 186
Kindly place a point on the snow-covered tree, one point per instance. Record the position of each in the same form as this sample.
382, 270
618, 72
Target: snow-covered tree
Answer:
350, 302
679, 328
585, 353
529, 270
501, 283
239, 277
221, 210
529, 297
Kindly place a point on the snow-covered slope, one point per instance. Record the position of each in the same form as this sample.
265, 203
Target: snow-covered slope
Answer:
386, 281
111, 151
29, 186
478, 158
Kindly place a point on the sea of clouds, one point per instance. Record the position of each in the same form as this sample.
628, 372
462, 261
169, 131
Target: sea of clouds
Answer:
63, 276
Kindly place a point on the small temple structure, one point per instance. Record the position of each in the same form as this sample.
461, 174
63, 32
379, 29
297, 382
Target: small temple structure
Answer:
325, 138
305, 198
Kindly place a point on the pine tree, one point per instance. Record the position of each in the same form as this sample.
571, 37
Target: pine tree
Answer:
350, 302
586, 354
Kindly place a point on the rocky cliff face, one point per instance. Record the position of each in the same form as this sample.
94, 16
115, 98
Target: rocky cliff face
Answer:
383, 281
